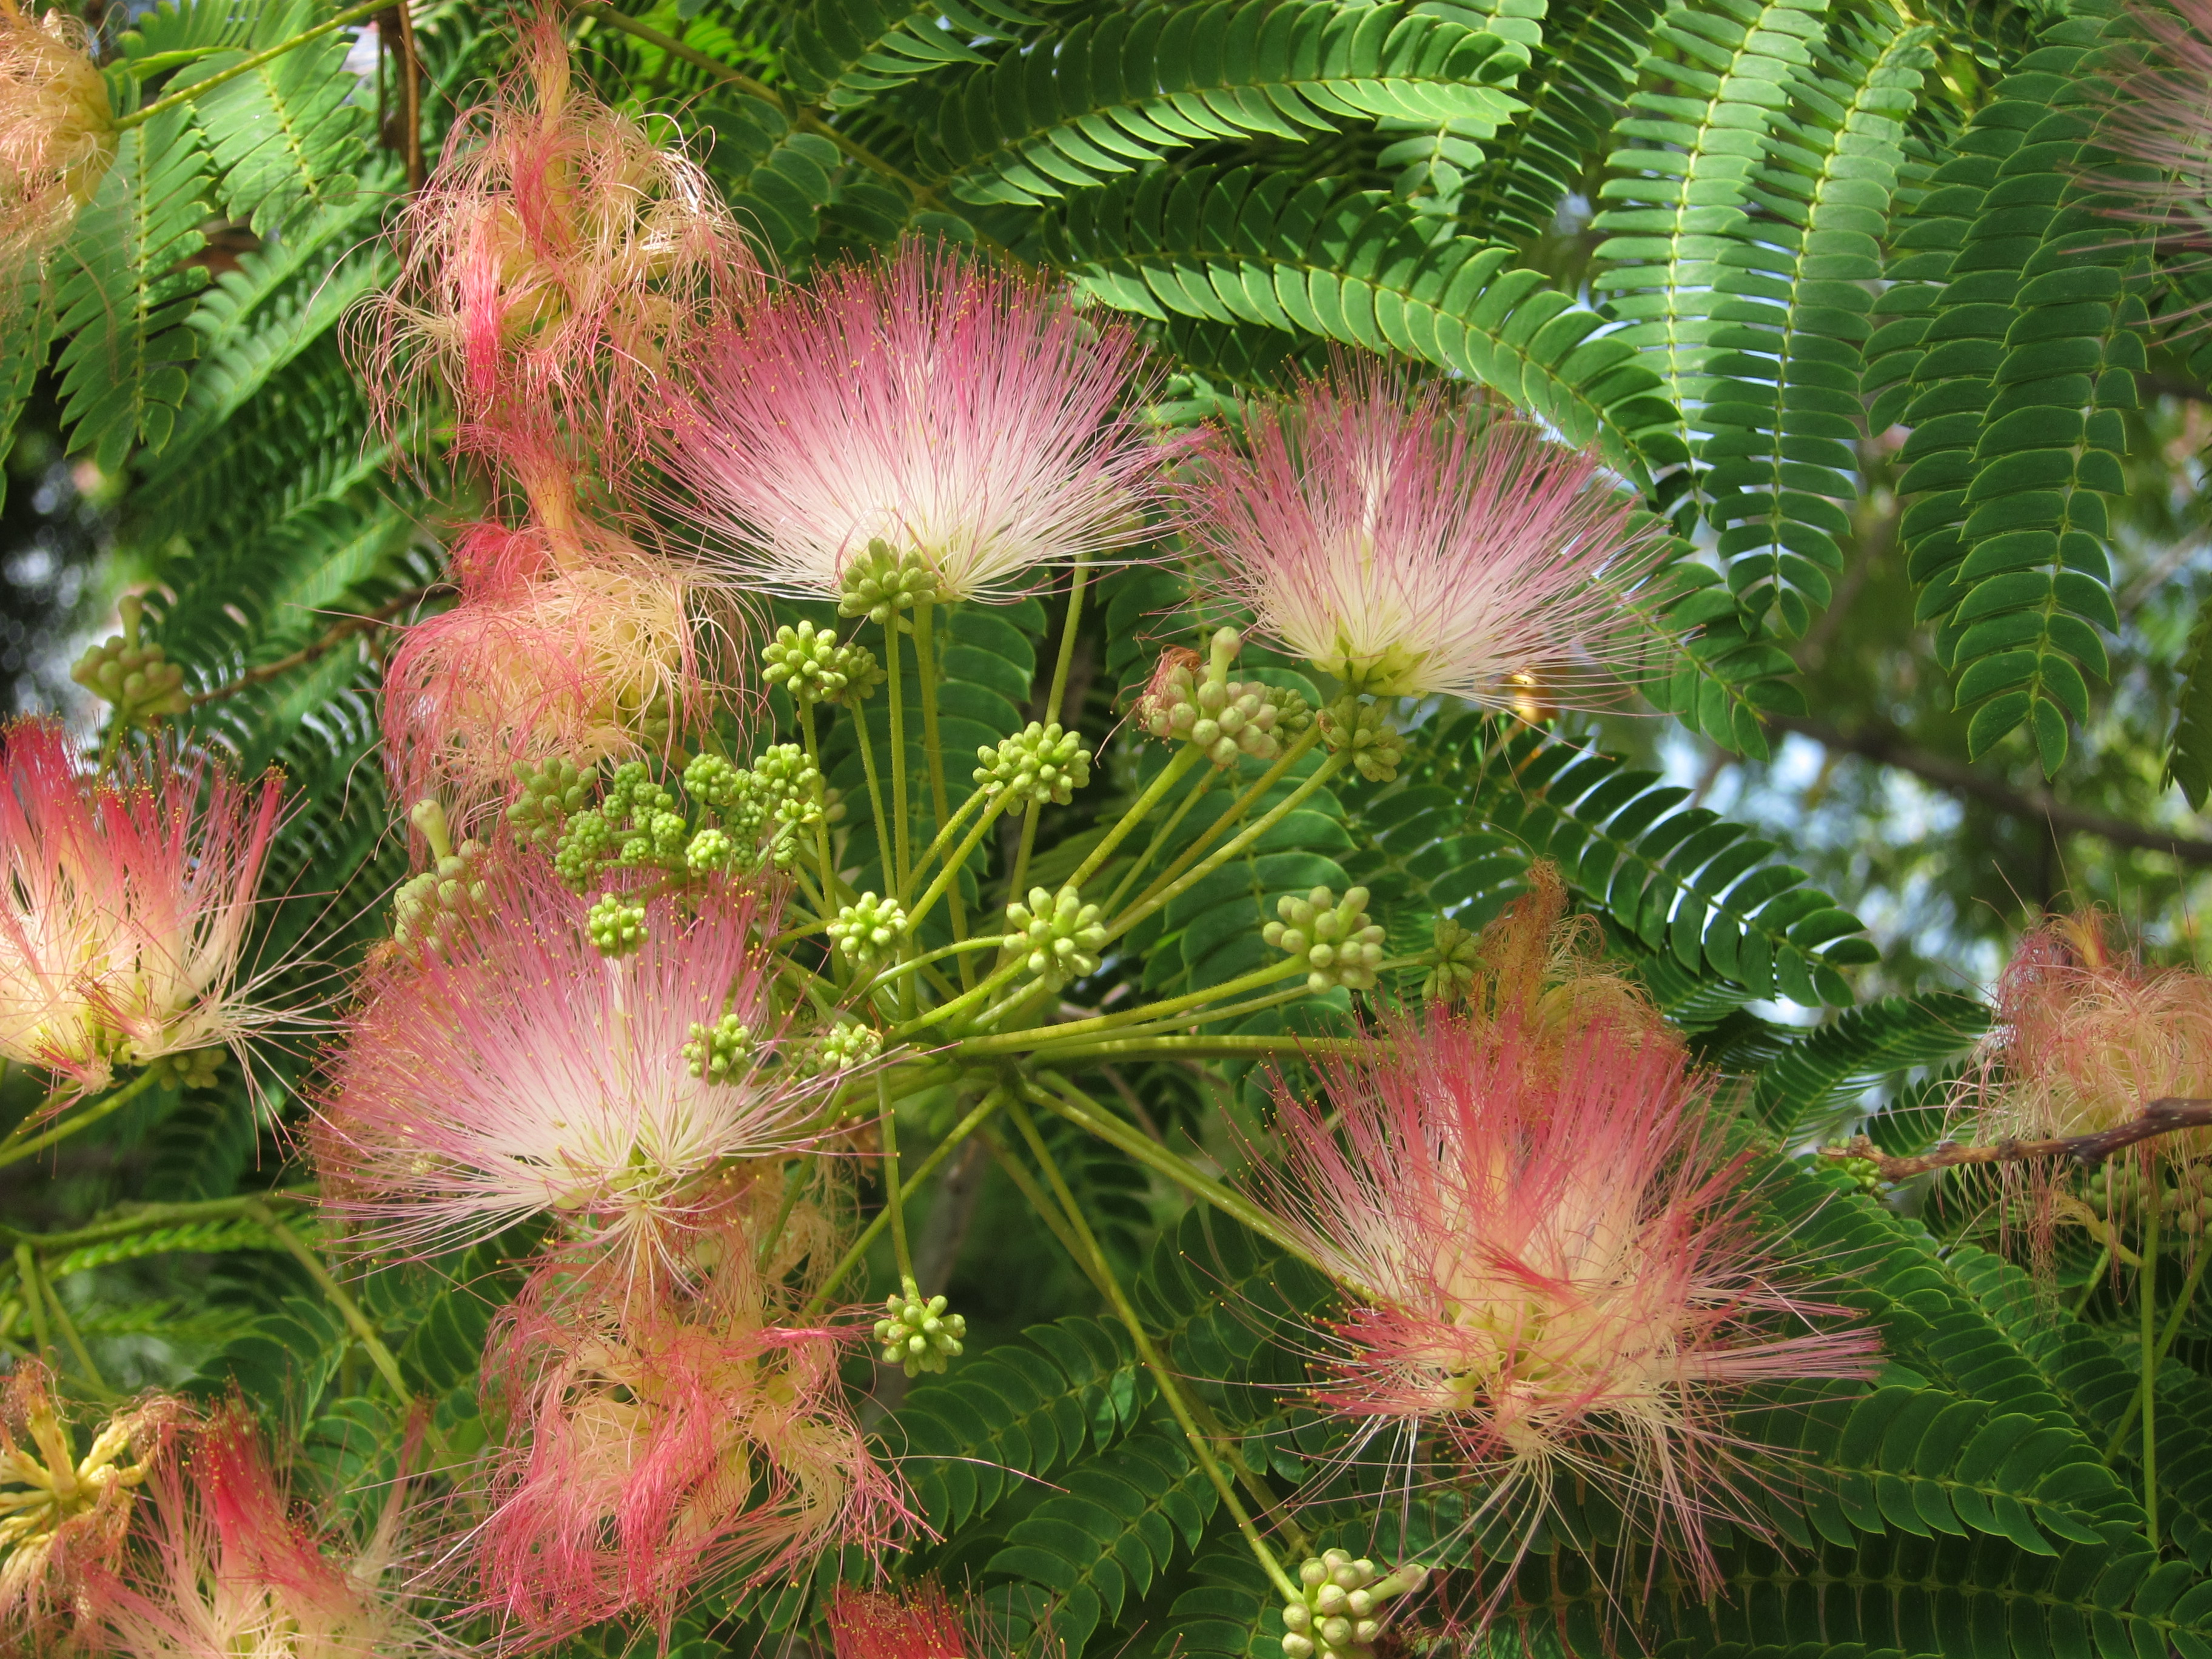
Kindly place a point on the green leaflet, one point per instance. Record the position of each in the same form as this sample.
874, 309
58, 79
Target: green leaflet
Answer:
2188, 757
1355, 267
1787, 319
1859, 1047
121, 297
844, 52
1131, 87
776, 179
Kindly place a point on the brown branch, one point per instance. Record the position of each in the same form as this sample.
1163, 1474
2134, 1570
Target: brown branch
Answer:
335, 634
2162, 1117
2035, 803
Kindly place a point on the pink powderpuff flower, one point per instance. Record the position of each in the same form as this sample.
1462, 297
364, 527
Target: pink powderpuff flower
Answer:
609, 655
57, 138
1411, 545
231, 1571
559, 258
64, 1515
518, 1070
966, 418
880, 1625
124, 905
654, 1444
1549, 1270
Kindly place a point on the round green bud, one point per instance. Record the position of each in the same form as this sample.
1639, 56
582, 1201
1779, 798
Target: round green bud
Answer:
617, 926
868, 930
1037, 763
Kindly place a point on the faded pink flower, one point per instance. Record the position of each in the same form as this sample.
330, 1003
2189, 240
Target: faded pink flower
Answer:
966, 417
1548, 1268
881, 1625
596, 658
124, 905
518, 1070
653, 1444
57, 137
560, 257
1409, 543
231, 1572
65, 1514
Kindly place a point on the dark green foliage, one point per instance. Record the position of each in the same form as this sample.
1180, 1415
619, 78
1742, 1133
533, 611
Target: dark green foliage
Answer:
2189, 761
1861, 1045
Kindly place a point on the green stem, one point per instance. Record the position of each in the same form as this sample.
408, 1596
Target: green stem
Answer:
959, 947
1162, 1377
1098, 1023
894, 684
1252, 832
1154, 842
1021, 872
959, 1005
925, 664
348, 1310
947, 884
1059, 670
894, 1200
2173, 1323
998, 1010
794, 1182
1173, 773
149, 1217
875, 795
821, 824
16, 1151
943, 1149
2089, 1285
34, 1299
68, 1331
2147, 1281
163, 106
1177, 1022
1089, 1115
951, 827
1236, 810
1208, 1047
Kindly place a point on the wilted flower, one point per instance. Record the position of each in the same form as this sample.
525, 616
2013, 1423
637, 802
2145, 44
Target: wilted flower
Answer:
124, 904
56, 136
64, 1514
231, 1572
965, 418
557, 260
882, 1624
656, 1442
517, 1070
599, 657
1549, 1269
1409, 545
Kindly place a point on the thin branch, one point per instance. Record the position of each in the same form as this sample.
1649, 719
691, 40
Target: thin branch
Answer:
2034, 803
2162, 1117
343, 630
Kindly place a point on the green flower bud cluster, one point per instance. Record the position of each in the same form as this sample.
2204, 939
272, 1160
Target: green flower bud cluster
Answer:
918, 1334
1224, 718
617, 926
881, 583
1456, 963
428, 907
135, 675
1061, 934
842, 1047
1364, 728
720, 1052
869, 929
744, 819
808, 662
551, 794
1337, 1614
1339, 944
2117, 1184
196, 1070
1862, 1172
1038, 763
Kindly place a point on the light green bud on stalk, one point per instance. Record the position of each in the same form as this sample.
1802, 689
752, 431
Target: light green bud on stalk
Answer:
842, 1047
1039, 763
1336, 942
1224, 718
658, 839
135, 675
880, 584
551, 794
918, 1334
197, 1069
633, 795
868, 930
617, 927
1456, 963
1365, 729
711, 853
789, 785
810, 664
585, 849
1061, 934
715, 784
427, 907
719, 1052
1338, 1610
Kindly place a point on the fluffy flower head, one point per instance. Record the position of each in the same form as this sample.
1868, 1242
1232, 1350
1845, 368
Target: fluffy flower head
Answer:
881, 1625
230, 1574
56, 133
124, 905
64, 1514
963, 417
593, 657
1408, 545
560, 257
1546, 1267
518, 1070
655, 1443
